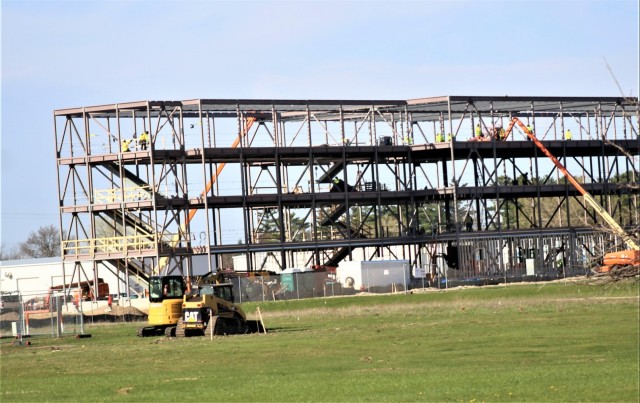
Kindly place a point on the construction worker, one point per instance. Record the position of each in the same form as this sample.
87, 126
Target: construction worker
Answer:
439, 138
478, 131
125, 145
407, 140
451, 137
336, 185
468, 222
530, 128
143, 140
502, 135
568, 135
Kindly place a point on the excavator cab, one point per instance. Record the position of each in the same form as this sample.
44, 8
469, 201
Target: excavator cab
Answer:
166, 288
223, 291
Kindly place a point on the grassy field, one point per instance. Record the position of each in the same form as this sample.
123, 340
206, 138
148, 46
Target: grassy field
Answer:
544, 342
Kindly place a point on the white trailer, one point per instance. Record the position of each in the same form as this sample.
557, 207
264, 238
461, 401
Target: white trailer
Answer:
365, 274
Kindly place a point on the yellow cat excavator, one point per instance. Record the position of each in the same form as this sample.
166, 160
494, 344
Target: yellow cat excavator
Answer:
165, 305
611, 261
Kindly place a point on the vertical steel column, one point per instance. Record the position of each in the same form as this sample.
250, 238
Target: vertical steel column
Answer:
280, 171
122, 208
152, 184
537, 208
494, 141
455, 182
618, 203
213, 167
630, 172
60, 201
244, 189
606, 163
599, 159
591, 168
377, 214
345, 177
185, 191
566, 164
91, 201
205, 195
312, 187
584, 173
476, 179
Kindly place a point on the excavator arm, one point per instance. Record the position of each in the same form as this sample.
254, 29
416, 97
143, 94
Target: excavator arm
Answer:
587, 196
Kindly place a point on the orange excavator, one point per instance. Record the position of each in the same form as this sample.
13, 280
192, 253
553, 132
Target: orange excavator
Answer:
625, 258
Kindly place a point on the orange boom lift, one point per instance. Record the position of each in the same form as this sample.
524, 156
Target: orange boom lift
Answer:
623, 258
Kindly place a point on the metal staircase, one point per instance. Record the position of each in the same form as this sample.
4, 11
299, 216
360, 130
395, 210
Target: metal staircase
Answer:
333, 170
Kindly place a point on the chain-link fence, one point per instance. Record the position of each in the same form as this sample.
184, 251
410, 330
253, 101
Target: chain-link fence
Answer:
484, 263
311, 284
493, 260
281, 287
39, 313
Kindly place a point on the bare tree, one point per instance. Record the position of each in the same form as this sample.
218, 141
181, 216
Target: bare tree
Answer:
44, 242
9, 253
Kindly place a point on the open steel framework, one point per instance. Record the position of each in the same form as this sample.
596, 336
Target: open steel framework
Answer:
256, 177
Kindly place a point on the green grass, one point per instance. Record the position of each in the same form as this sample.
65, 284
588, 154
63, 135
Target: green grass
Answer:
552, 342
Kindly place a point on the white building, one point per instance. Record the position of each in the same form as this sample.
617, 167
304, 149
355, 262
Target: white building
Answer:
35, 276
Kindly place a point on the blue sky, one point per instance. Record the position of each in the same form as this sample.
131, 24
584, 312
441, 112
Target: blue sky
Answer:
61, 54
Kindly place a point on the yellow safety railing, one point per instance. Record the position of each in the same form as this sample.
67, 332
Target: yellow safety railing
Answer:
117, 195
118, 244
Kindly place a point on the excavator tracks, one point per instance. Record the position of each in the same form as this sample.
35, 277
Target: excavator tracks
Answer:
179, 329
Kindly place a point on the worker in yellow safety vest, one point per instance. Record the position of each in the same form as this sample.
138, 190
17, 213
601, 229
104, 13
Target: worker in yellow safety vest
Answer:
143, 140
530, 128
451, 137
502, 135
478, 131
125, 145
568, 135
439, 138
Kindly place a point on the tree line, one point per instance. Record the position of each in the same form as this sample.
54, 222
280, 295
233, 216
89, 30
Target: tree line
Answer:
43, 242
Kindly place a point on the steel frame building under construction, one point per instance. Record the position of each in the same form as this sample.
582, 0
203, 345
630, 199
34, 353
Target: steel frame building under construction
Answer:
308, 183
